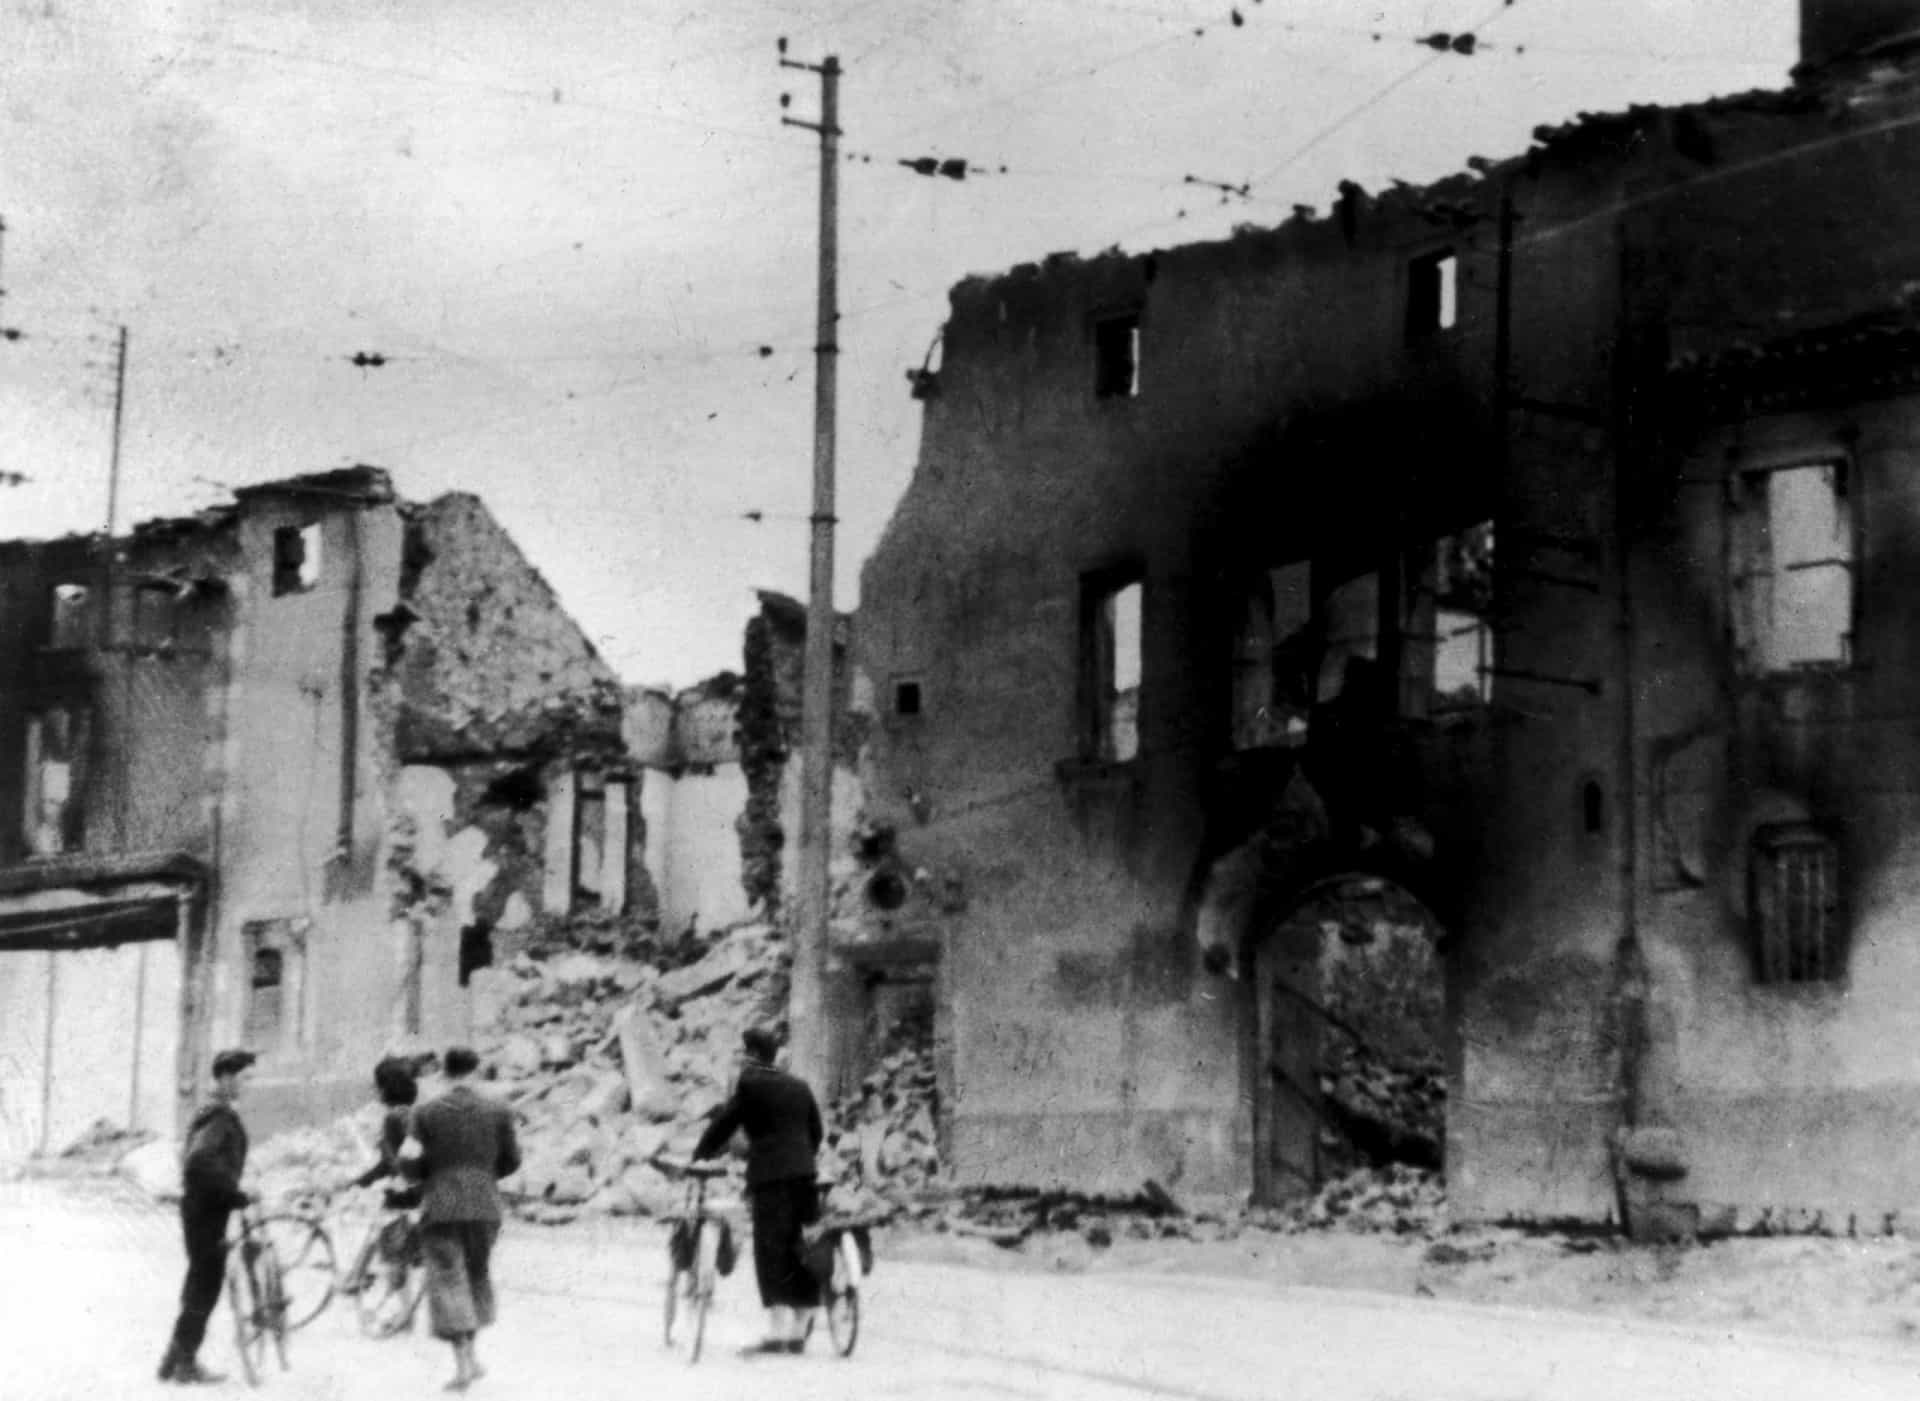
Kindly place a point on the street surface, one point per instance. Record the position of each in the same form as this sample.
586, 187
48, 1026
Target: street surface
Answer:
92, 1274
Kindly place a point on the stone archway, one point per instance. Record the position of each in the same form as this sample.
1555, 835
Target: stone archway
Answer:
1346, 1038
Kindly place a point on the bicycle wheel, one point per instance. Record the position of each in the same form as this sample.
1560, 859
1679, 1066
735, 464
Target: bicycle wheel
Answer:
249, 1338
388, 1295
273, 1290
706, 1276
843, 1297
679, 1282
307, 1266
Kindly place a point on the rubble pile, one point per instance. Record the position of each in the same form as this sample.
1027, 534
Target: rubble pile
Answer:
324, 1157
1007, 1216
882, 1144
1392, 1200
1380, 1114
608, 1061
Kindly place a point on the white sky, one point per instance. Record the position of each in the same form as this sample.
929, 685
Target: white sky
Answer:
571, 226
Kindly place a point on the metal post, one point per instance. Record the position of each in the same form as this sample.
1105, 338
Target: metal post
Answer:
810, 1039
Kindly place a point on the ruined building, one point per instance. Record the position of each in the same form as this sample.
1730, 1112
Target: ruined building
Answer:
1538, 542
721, 775
275, 775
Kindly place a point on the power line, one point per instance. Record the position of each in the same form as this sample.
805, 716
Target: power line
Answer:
1375, 99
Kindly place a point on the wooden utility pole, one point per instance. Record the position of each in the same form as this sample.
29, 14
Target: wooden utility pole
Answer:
811, 1041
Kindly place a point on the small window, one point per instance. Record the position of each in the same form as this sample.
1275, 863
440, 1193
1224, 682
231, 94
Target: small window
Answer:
154, 615
275, 951
296, 558
906, 698
1433, 293
1593, 807
72, 616
52, 819
1116, 348
1794, 904
1110, 648
1792, 563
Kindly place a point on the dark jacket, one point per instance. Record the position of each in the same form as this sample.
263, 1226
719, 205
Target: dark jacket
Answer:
393, 1133
215, 1159
467, 1142
782, 1122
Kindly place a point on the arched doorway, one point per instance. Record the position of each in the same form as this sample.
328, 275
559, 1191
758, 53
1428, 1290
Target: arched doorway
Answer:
1348, 1020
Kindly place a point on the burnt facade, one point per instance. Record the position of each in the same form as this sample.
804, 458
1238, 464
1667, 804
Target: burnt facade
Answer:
1536, 541
273, 776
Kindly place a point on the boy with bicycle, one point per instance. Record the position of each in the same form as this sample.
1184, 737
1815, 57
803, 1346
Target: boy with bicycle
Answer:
216, 1156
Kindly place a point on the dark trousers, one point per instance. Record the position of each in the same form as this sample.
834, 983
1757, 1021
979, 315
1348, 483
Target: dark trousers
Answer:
459, 1276
205, 1230
780, 1209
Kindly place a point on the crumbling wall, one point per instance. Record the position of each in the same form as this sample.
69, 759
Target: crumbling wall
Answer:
770, 731
488, 662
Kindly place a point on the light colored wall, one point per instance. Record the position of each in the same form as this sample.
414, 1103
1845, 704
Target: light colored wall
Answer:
283, 799
693, 846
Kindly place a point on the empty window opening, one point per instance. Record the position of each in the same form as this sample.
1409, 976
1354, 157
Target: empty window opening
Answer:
1593, 807
1432, 293
518, 789
155, 615
55, 772
1794, 904
1350, 629
1462, 592
589, 841
1792, 564
296, 558
476, 950
72, 616
1116, 348
1110, 642
273, 1020
1275, 654
906, 698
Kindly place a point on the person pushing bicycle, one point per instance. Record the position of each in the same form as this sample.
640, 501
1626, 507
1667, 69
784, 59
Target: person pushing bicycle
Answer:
216, 1157
782, 1122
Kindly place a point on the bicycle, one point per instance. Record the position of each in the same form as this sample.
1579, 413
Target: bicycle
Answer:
693, 1251
256, 1289
305, 1252
839, 1252
387, 1279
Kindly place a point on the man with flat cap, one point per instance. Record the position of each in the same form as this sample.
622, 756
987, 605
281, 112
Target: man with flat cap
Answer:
216, 1156
781, 1119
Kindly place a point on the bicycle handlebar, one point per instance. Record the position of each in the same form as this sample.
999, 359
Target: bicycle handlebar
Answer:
687, 1167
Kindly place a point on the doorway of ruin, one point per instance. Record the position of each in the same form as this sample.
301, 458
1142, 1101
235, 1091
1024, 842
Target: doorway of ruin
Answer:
1348, 1020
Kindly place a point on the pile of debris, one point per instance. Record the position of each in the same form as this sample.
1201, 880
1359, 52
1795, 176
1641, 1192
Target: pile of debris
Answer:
1394, 1200
882, 1144
608, 1062
1379, 1114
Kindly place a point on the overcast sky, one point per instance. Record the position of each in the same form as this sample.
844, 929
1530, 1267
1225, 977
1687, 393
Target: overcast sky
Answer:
570, 228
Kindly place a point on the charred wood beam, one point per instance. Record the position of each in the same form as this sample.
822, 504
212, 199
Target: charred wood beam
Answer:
1587, 684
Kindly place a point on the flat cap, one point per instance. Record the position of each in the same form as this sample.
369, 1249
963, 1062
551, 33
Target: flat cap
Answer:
230, 1062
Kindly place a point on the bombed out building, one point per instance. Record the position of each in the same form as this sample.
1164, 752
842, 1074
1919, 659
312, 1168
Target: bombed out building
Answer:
276, 775
1543, 543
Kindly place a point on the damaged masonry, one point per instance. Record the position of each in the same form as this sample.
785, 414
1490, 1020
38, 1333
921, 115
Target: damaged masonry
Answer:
1534, 546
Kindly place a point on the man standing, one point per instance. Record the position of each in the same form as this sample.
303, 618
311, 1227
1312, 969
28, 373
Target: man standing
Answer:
782, 1123
467, 1144
210, 1190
